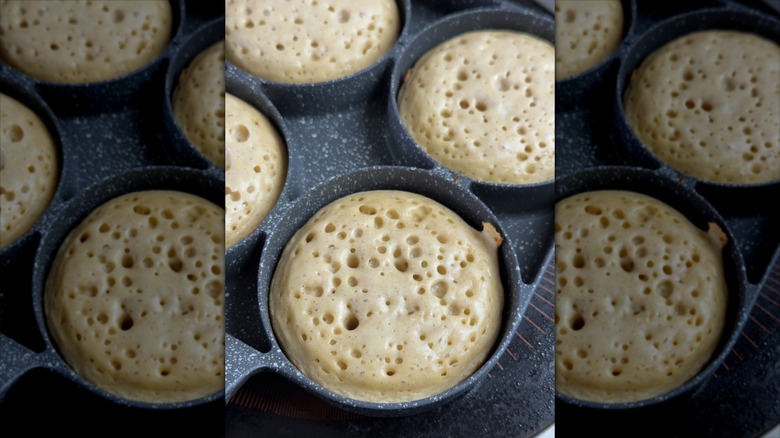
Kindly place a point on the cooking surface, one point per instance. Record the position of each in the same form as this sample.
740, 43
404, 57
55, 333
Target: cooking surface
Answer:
516, 398
99, 139
742, 399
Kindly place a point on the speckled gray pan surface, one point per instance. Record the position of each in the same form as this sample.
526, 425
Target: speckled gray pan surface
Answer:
737, 393
341, 138
112, 139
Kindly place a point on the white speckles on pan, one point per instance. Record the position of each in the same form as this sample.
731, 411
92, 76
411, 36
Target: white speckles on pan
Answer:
108, 142
533, 155
727, 146
338, 143
199, 183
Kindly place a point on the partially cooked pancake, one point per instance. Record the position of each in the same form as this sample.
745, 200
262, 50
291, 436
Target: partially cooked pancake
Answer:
387, 296
29, 169
135, 297
199, 103
708, 105
255, 168
298, 41
586, 33
81, 41
483, 104
641, 300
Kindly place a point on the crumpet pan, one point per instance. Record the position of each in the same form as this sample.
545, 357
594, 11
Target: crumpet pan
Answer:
155, 178
248, 360
700, 213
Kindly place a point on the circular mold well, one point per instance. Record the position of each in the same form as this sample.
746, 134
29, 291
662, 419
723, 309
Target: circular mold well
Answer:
196, 182
404, 148
516, 293
631, 147
699, 212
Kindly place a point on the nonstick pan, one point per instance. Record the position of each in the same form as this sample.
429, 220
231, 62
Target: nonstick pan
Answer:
344, 136
700, 213
111, 138
596, 148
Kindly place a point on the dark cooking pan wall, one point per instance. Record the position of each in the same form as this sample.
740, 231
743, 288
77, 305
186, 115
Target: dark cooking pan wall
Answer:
737, 393
111, 139
345, 136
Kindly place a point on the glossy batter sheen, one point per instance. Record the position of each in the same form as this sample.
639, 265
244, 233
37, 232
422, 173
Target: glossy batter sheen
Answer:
134, 300
79, 41
483, 105
29, 169
303, 41
708, 104
387, 296
255, 168
641, 298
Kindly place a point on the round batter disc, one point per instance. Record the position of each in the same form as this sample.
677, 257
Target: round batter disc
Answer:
135, 297
387, 296
586, 33
29, 169
301, 41
483, 104
255, 168
199, 103
708, 105
80, 41
641, 299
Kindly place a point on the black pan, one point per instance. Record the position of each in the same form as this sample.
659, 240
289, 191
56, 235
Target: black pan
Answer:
596, 149
344, 136
700, 213
112, 138
245, 360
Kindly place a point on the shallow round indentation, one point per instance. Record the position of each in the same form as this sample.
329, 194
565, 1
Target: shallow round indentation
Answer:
305, 42
29, 169
83, 42
127, 327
